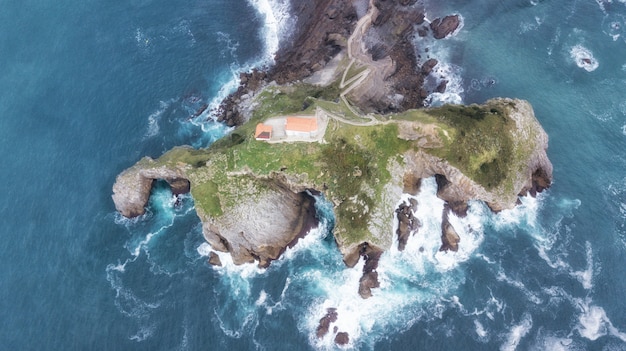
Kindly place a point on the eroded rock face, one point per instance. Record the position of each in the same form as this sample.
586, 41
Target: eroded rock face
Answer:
535, 171
369, 279
261, 229
214, 259
324, 326
272, 216
449, 237
342, 338
131, 190
443, 27
407, 223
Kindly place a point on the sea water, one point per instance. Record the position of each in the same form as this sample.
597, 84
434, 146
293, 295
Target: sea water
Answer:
86, 89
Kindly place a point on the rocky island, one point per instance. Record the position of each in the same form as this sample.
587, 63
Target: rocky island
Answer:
340, 114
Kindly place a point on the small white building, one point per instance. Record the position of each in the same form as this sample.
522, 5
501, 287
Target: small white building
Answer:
301, 127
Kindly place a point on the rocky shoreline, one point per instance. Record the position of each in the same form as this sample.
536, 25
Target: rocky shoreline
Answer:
323, 29
256, 210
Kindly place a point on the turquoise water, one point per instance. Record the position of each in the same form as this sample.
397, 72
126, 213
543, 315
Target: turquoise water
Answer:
88, 88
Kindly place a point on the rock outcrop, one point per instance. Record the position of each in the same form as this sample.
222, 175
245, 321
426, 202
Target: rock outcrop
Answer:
449, 237
407, 222
255, 215
531, 170
131, 190
323, 26
397, 79
443, 27
264, 222
269, 215
325, 322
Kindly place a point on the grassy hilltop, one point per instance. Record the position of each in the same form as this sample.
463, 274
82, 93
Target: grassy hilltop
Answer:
354, 163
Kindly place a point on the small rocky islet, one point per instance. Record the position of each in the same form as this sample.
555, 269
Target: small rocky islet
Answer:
373, 142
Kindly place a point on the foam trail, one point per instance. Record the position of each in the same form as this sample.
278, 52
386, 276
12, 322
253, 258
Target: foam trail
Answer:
480, 330
517, 333
585, 277
593, 323
155, 118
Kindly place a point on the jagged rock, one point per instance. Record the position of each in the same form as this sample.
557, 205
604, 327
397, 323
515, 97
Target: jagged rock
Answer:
256, 217
279, 214
179, 185
535, 171
369, 279
428, 66
342, 338
443, 27
449, 237
407, 223
261, 229
324, 325
411, 184
132, 187
214, 259
441, 87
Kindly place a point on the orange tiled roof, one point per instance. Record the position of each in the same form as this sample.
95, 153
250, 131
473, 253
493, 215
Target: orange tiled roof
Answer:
263, 131
299, 124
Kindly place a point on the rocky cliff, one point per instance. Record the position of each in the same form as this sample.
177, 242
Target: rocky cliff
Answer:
255, 198
252, 196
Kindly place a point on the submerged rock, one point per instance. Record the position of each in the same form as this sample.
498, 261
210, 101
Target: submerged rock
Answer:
342, 338
324, 325
214, 259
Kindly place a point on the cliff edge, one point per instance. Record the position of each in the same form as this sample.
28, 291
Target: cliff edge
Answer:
254, 196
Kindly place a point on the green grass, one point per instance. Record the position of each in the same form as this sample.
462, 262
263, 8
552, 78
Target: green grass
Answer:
206, 196
295, 98
186, 155
482, 146
352, 166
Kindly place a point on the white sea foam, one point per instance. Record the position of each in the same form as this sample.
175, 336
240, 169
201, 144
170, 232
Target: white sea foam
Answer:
441, 50
528, 26
554, 343
313, 237
593, 322
143, 333
278, 23
585, 277
262, 298
414, 283
204, 249
517, 332
142, 39
454, 88
480, 330
530, 295
525, 213
155, 117
584, 58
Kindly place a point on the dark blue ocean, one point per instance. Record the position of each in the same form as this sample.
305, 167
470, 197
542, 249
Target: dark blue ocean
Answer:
88, 88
